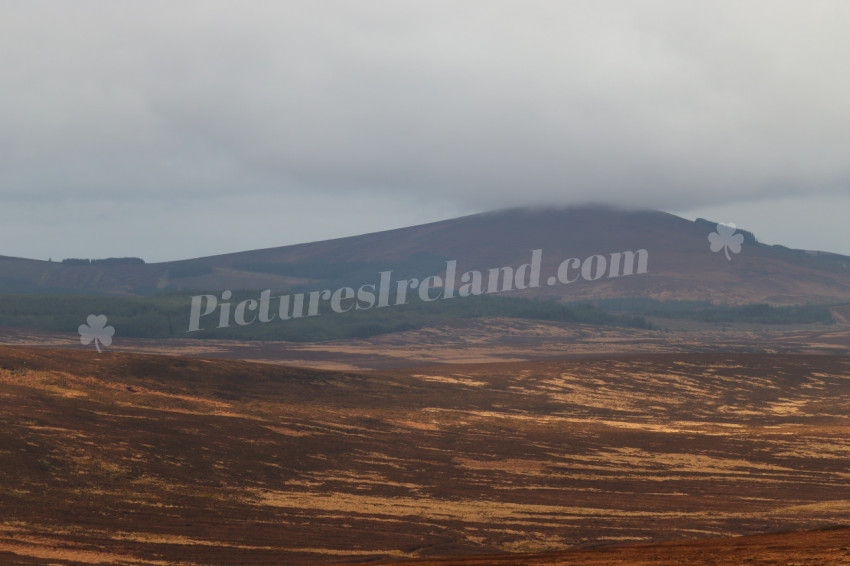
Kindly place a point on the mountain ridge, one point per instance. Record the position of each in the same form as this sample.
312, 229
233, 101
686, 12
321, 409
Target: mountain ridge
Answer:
681, 264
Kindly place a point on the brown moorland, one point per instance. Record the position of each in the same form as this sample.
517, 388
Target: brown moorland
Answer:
145, 459
482, 340
823, 547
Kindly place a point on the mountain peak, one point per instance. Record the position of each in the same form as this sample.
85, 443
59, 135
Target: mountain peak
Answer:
693, 260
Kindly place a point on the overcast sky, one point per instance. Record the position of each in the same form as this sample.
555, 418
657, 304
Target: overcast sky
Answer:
170, 130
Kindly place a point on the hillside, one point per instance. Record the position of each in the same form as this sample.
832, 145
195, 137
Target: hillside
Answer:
474, 340
127, 458
826, 546
680, 263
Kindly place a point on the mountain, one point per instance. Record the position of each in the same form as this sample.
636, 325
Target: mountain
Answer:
680, 264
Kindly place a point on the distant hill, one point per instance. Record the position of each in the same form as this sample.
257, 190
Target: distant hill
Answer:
681, 265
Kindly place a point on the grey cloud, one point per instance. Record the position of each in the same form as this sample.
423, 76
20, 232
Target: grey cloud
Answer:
674, 104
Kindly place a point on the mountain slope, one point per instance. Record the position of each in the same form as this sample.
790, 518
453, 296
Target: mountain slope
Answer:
680, 263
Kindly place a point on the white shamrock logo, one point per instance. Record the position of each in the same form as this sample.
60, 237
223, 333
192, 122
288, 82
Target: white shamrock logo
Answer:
726, 239
96, 331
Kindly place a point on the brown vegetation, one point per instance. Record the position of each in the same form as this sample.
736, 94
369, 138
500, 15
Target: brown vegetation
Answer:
141, 459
